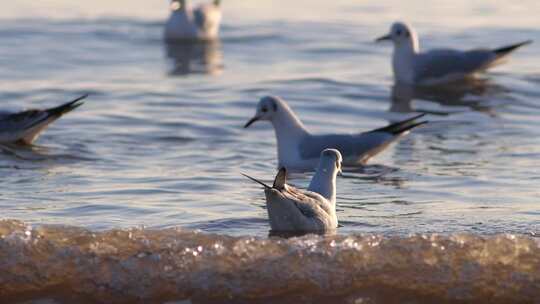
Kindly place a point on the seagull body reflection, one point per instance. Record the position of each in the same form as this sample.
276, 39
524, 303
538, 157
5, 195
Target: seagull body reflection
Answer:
195, 58
477, 95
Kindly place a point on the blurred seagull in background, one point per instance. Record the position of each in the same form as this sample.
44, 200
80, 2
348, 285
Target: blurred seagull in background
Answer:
26, 126
199, 23
413, 67
314, 210
298, 149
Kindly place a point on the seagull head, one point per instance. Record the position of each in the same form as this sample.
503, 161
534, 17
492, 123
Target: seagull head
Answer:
324, 180
267, 108
176, 5
331, 159
401, 34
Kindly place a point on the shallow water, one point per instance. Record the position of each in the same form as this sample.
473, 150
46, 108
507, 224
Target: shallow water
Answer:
132, 266
160, 142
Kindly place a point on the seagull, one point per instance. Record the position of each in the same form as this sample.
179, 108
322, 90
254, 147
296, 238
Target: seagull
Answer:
292, 210
298, 149
411, 66
26, 126
187, 23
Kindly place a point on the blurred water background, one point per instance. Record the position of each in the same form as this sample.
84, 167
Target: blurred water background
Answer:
159, 142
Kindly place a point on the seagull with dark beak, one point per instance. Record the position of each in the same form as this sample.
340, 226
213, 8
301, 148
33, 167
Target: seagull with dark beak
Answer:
299, 150
433, 67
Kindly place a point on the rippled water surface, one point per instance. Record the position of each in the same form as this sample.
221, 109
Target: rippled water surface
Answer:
160, 141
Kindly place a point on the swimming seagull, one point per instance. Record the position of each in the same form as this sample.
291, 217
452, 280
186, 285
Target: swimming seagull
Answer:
298, 149
291, 209
187, 23
411, 66
25, 127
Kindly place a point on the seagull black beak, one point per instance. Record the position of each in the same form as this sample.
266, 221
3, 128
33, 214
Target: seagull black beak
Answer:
383, 38
251, 121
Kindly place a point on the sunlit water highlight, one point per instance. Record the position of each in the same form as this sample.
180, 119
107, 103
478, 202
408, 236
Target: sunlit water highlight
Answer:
128, 266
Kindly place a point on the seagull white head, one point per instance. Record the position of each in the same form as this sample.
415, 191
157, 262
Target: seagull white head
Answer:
403, 36
324, 180
331, 160
278, 112
289, 130
177, 5
267, 109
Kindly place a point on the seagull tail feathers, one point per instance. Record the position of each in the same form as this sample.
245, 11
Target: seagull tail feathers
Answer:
257, 181
67, 107
505, 50
412, 126
402, 126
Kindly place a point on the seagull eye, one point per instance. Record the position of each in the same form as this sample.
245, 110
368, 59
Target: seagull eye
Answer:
398, 32
264, 110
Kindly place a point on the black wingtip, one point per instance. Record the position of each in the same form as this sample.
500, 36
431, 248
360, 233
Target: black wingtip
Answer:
402, 126
415, 117
68, 106
257, 181
412, 126
508, 49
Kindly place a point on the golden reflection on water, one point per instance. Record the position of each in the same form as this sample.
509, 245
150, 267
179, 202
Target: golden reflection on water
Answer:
174, 264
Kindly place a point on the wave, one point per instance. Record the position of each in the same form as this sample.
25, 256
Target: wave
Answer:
71, 264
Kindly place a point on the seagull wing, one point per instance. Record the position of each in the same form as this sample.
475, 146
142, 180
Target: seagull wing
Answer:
351, 146
357, 148
506, 50
25, 126
438, 64
309, 203
13, 124
401, 127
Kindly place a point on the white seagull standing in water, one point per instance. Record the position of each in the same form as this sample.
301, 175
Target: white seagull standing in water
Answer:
413, 67
314, 210
298, 149
199, 23
26, 126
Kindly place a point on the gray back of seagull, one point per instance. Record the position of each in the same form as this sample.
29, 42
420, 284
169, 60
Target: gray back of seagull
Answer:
351, 146
440, 63
290, 209
14, 126
13, 122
